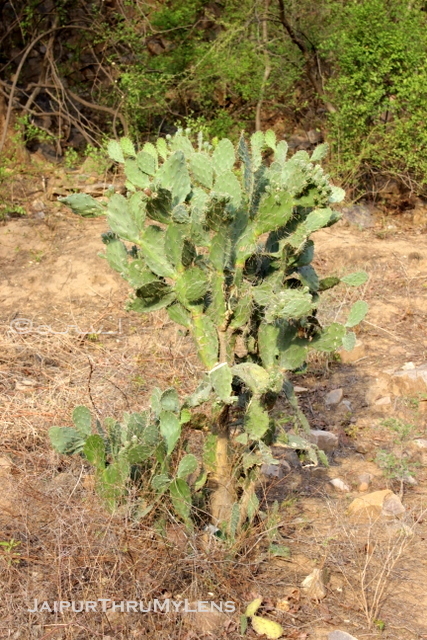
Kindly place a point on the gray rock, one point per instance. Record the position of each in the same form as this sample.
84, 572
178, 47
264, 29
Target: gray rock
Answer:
276, 470
334, 397
325, 440
288, 457
340, 635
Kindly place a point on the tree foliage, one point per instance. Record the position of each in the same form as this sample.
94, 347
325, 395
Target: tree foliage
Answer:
355, 70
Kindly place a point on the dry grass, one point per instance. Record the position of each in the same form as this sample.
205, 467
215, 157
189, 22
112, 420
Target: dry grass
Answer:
71, 548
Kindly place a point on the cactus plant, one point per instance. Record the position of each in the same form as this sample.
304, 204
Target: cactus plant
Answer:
222, 242
118, 451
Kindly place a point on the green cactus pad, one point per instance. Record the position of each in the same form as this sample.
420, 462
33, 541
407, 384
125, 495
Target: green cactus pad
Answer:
224, 157
206, 337
134, 175
146, 163
120, 219
201, 169
191, 285
153, 249
117, 256
256, 420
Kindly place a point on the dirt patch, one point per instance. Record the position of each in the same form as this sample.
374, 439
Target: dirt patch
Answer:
66, 340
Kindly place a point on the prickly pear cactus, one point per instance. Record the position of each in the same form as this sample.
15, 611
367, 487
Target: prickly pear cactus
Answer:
221, 240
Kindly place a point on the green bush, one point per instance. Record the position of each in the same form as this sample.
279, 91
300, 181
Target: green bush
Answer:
379, 87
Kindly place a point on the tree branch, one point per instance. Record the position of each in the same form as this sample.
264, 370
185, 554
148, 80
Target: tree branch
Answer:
310, 63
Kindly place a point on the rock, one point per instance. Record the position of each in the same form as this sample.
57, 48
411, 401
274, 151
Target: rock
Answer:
363, 486
365, 477
339, 484
383, 401
345, 404
299, 142
410, 381
340, 635
358, 352
287, 457
37, 206
376, 504
298, 389
361, 447
314, 586
334, 397
325, 440
359, 215
408, 366
364, 480
315, 136
276, 470
420, 443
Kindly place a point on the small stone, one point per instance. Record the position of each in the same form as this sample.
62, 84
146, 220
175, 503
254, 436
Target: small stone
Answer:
325, 440
358, 352
421, 443
276, 470
379, 503
340, 635
383, 401
313, 585
392, 506
361, 447
408, 366
334, 396
363, 486
37, 205
339, 484
365, 477
346, 404
298, 389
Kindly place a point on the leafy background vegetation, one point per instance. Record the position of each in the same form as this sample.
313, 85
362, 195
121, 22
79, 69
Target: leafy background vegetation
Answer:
354, 71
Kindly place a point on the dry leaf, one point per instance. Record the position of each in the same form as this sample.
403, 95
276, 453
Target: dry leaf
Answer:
268, 628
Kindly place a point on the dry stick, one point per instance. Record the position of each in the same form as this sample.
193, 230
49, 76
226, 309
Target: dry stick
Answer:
18, 73
267, 68
307, 55
97, 107
73, 120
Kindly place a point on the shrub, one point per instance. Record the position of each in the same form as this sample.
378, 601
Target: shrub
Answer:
379, 89
219, 237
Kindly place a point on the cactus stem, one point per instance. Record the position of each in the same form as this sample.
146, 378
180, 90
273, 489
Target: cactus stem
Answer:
224, 493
